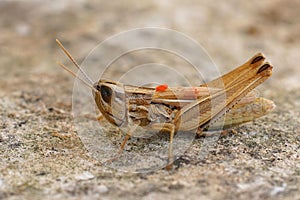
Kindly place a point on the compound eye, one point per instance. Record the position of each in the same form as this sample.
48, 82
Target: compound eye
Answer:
106, 93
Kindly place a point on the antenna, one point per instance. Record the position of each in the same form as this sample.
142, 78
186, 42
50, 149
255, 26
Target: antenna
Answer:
73, 61
73, 74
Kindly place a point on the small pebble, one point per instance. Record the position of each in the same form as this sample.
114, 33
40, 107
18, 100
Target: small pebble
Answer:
84, 176
102, 189
278, 189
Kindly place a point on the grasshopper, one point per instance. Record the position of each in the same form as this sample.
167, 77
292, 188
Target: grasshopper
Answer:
183, 108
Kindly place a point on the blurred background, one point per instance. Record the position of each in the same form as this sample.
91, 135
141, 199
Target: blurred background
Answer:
231, 32
32, 84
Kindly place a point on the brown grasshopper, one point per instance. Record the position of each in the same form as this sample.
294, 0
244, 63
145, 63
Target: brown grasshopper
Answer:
183, 108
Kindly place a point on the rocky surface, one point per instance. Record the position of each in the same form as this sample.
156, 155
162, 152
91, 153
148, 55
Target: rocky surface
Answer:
42, 156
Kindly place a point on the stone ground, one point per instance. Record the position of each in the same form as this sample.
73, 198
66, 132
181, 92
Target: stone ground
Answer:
41, 155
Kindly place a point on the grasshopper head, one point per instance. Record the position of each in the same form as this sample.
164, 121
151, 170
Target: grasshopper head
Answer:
110, 100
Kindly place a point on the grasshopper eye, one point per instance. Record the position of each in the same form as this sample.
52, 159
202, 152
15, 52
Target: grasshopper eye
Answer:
106, 93
110, 100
